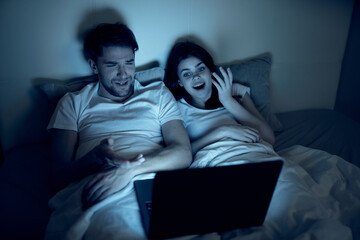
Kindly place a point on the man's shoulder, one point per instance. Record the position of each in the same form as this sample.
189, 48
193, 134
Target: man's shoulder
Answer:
154, 88
86, 90
150, 86
85, 93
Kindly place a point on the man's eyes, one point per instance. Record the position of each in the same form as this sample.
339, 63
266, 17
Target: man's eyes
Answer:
110, 65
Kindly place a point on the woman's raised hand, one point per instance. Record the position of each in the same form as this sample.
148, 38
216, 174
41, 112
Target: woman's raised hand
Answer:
223, 85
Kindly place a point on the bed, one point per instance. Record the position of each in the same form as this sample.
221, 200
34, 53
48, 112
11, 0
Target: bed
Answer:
320, 145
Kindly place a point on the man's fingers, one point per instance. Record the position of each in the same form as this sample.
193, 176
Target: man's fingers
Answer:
100, 195
131, 163
94, 196
107, 142
139, 158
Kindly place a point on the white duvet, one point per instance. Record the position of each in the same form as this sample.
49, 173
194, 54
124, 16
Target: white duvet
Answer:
317, 197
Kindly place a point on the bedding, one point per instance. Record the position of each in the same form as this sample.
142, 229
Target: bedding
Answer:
317, 197
320, 129
326, 205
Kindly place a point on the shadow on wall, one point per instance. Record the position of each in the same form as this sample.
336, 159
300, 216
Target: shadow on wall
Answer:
34, 123
194, 39
93, 18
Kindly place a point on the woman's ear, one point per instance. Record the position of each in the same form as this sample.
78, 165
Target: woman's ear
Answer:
93, 66
180, 83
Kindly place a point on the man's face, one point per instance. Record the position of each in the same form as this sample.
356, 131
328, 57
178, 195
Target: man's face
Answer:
116, 70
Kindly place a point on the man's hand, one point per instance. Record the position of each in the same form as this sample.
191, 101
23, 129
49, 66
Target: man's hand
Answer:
109, 181
115, 174
105, 184
104, 153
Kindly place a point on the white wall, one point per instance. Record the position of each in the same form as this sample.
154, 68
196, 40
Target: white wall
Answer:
39, 39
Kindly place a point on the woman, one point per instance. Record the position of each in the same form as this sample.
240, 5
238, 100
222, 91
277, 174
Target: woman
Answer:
226, 129
210, 110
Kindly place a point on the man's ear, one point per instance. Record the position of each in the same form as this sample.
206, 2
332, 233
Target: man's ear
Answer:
180, 83
93, 66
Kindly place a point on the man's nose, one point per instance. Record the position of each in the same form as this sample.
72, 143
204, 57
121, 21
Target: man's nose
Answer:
121, 71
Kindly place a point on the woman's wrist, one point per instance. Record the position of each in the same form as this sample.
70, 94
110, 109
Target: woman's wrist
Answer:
229, 103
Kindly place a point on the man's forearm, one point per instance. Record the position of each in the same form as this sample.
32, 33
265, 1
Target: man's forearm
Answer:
169, 158
75, 171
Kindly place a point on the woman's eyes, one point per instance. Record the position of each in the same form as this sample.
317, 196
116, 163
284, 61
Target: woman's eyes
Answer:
189, 74
201, 69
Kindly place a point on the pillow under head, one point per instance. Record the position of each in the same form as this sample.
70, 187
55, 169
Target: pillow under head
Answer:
255, 74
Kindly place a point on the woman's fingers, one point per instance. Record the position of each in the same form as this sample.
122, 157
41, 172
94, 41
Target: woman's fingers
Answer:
218, 87
223, 83
230, 75
247, 134
225, 76
218, 80
253, 134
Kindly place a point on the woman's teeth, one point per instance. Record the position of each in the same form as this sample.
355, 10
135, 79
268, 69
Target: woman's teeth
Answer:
199, 86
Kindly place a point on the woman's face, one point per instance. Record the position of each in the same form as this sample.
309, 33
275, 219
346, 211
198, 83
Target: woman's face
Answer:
196, 78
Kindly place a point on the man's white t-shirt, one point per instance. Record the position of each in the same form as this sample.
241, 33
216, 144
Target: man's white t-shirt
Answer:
135, 125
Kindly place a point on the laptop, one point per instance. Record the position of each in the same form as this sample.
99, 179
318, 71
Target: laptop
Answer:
203, 200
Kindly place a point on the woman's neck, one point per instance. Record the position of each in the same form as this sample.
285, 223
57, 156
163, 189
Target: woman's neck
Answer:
198, 103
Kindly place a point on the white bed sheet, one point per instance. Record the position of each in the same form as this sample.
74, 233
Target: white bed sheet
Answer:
317, 197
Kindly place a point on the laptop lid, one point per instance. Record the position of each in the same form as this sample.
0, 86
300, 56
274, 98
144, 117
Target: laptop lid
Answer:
201, 200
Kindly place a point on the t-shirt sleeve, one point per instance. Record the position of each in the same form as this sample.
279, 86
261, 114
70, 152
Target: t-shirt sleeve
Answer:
239, 90
65, 114
168, 107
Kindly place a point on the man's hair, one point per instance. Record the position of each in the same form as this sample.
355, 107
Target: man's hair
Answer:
179, 52
108, 35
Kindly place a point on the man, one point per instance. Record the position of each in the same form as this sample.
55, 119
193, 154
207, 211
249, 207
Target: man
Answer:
115, 128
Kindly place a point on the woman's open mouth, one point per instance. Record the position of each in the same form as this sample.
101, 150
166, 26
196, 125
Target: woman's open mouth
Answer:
199, 86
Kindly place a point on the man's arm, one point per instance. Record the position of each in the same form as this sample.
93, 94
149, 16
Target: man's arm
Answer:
175, 155
64, 169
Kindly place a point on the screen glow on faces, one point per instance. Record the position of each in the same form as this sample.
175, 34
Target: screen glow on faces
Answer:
196, 79
116, 71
